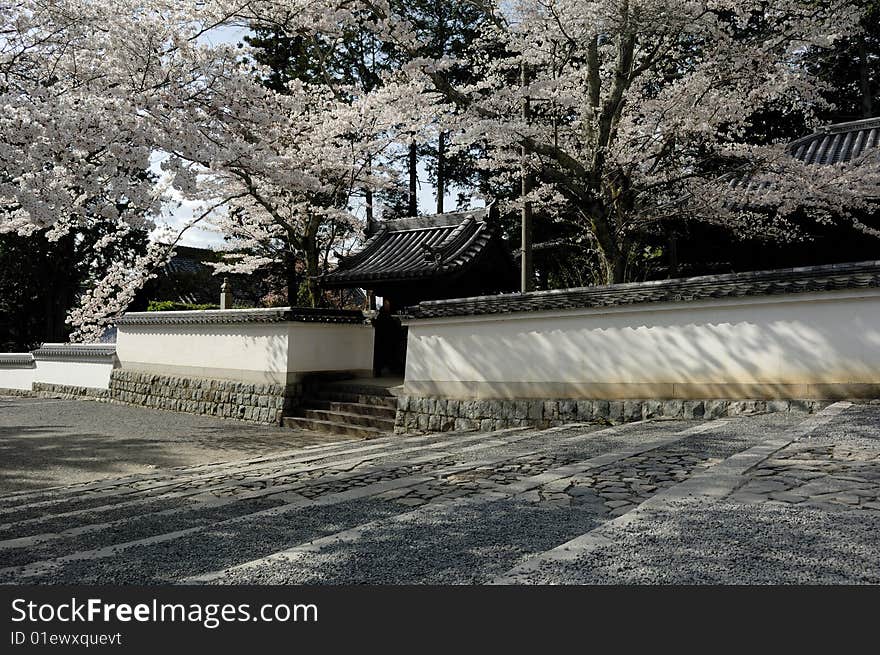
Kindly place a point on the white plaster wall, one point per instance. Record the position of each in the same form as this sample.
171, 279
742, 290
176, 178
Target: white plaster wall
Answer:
17, 377
260, 352
809, 339
247, 351
93, 374
330, 347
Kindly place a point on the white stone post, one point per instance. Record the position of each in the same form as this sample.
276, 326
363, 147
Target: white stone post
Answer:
225, 295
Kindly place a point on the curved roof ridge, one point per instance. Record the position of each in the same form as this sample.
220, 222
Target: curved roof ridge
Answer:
368, 246
838, 142
464, 255
447, 219
452, 239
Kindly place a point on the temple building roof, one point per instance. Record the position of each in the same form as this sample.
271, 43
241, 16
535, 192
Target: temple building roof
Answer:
837, 143
832, 144
408, 251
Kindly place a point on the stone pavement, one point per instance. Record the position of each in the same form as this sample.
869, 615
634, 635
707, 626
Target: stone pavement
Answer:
762, 498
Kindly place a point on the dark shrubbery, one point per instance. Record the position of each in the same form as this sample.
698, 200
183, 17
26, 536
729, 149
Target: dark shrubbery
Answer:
172, 306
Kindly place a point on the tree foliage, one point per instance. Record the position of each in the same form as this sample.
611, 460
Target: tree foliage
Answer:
643, 114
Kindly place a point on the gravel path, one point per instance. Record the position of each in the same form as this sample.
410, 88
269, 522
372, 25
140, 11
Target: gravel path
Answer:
731, 543
214, 549
469, 508
463, 544
45, 442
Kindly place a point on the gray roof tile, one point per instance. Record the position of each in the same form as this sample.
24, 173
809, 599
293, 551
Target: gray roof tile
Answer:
837, 143
415, 248
761, 283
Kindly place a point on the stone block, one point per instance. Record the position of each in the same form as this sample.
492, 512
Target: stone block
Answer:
480, 410
693, 409
585, 410
601, 409
805, 406
535, 410
615, 411
551, 410
778, 405
652, 409
738, 407
466, 425
632, 410
568, 410
715, 409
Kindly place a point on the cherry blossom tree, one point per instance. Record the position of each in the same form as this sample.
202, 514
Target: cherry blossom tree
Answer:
93, 91
639, 112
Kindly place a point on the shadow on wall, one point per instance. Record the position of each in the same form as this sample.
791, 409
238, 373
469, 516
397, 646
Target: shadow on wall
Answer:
791, 343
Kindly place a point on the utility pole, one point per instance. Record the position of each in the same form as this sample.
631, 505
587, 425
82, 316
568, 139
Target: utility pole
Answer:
527, 280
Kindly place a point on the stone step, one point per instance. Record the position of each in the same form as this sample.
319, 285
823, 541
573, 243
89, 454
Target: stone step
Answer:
363, 409
315, 425
359, 398
349, 418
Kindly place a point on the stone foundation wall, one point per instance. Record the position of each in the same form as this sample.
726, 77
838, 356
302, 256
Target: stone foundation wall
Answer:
48, 390
441, 415
23, 393
260, 403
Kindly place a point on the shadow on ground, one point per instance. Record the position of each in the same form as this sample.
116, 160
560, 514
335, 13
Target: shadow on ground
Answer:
46, 442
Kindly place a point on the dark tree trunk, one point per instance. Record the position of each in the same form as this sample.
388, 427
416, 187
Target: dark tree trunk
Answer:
413, 207
618, 271
292, 277
673, 255
310, 252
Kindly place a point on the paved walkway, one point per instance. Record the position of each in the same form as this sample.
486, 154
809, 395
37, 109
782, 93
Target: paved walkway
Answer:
766, 498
